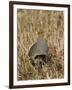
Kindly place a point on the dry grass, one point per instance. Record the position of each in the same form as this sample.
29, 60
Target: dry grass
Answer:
29, 24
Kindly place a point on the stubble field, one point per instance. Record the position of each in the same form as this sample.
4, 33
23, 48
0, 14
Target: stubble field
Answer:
31, 23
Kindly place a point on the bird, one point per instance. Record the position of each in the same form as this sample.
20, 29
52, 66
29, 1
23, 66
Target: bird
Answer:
38, 52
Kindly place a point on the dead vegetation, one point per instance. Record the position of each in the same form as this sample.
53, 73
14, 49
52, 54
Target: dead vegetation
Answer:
29, 24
